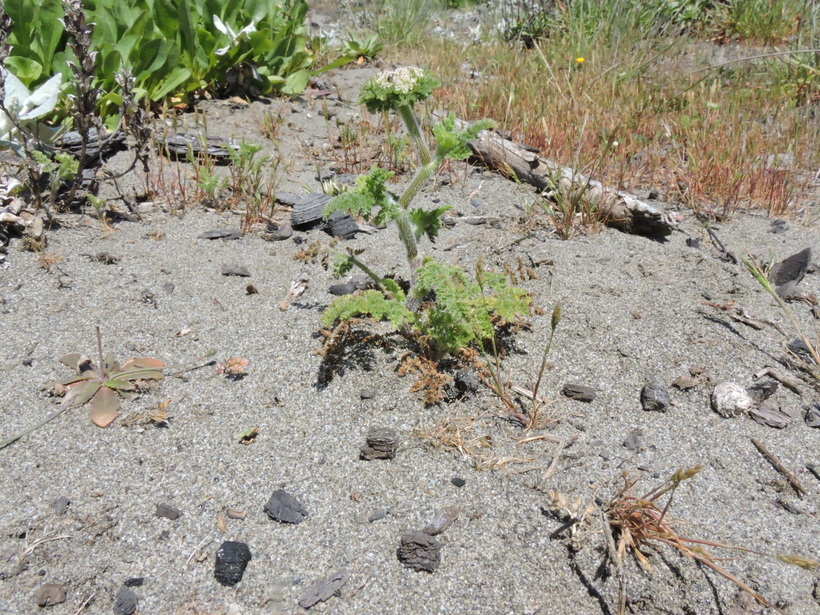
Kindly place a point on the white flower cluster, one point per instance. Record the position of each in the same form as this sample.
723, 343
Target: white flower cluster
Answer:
402, 80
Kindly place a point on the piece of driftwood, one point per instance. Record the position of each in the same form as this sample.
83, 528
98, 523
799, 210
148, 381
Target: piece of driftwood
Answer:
618, 209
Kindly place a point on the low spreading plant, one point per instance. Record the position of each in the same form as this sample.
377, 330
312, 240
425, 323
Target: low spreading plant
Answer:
443, 303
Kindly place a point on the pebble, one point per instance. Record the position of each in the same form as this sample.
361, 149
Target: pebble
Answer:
458, 481
367, 394
730, 399
284, 508
126, 602
282, 232
579, 392
49, 594
812, 417
382, 443
232, 233
324, 589
419, 551
236, 270
232, 558
634, 441
466, 382
655, 397
377, 515
168, 511
443, 519
61, 505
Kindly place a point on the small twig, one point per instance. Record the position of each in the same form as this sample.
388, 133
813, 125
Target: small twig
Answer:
199, 548
561, 446
85, 604
787, 381
30, 549
613, 556
780, 468
26, 432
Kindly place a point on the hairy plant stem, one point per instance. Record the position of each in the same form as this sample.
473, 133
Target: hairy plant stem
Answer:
414, 132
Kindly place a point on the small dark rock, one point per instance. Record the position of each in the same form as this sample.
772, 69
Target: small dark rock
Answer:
250, 289
61, 505
280, 232
325, 174
49, 595
324, 589
106, 258
655, 397
476, 202
579, 392
342, 225
779, 226
458, 481
812, 417
466, 382
789, 506
284, 508
367, 394
771, 414
221, 234
134, 582
126, 602
634, 441
419, 551
694, 242
231, 560
168, 511
382, 443
377, 515
347, 288
309, 210
236, 270
654, 194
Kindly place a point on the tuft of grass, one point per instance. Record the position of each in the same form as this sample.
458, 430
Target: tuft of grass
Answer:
640, 521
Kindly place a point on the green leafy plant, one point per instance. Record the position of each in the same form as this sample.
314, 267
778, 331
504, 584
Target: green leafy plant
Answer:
364, 48
174, 48
103, 384
443, 303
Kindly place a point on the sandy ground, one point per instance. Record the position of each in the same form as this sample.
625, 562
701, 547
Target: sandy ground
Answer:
634, 311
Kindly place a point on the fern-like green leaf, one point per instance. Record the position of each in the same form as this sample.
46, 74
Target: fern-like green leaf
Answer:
427, 222
371, 303
370, 192
452, 143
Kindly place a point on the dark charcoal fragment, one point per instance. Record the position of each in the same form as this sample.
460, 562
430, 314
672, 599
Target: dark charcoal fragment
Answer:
812, 417
694, 242
342, 225
348, 288
215, 149
382, 443
134, 582
284, 508
61, 505
126, 602
231, 560
324, 589
655, 397
288, 198
228, 233
110, 144
49, 595
466, 382
419, 552
814, 470
106, 258
309, 211
458, 481
236, 270
762, 391
168, 511
579, 392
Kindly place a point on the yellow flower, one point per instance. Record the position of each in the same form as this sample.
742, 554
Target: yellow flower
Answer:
579, 61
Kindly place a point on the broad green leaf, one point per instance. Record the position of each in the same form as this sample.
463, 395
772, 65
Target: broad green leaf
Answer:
120, 385
26, 69
427, 222
172, 83
105, 407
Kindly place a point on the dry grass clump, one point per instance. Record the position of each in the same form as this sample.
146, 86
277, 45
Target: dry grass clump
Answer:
642, 114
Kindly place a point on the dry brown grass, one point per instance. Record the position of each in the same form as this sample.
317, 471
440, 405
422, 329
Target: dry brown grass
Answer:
641, 116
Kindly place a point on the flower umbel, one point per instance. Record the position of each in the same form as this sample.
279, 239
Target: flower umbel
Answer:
403, 87
232, 367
